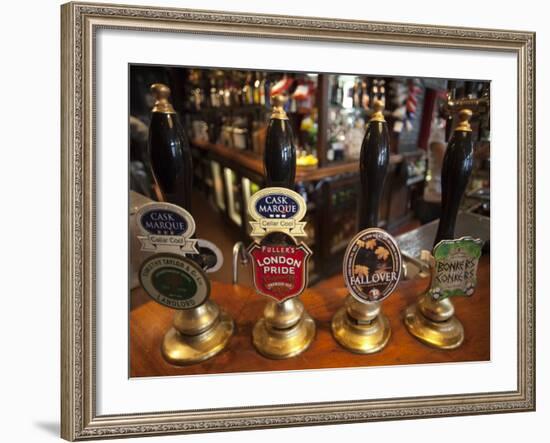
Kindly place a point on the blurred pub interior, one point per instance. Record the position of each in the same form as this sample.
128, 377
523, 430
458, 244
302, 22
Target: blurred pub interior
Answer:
225, 113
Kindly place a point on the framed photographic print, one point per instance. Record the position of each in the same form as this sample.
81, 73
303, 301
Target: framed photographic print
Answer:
292, 221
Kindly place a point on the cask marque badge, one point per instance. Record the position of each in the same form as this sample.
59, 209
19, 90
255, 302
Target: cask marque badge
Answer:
174, 281
372, 265
165, 227
455, 267
277, 209
280, 268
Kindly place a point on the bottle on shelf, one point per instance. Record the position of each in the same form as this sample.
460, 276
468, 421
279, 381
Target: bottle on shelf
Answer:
226, 93
214, 97
334, 91
365, 99
357, 93
263, 91
257, 89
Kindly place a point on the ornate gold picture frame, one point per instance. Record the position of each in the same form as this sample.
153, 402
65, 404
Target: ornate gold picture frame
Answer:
80, 22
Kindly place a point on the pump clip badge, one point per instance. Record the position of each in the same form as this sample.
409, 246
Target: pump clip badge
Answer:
455, 267
165, 227
277, 209
372, 265
174, 281
280, 270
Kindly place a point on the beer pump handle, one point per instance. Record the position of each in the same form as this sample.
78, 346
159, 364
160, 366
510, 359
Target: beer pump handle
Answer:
456, 170
169, 152
280, 153
373, 166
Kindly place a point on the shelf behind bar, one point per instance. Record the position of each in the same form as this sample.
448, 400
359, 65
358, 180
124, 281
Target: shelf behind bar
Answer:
254, 162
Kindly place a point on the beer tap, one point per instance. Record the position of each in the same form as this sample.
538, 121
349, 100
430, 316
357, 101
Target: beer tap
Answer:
279, 152
431, 319
455, 173
169, 151
175, 274
373, 166
279, 261
372, 262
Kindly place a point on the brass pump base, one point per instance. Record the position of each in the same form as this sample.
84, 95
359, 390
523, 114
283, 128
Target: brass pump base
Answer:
197, 334
361, 327
286, 330
433, 323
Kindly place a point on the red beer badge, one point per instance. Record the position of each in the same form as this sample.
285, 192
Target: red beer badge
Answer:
372, 265
279, 266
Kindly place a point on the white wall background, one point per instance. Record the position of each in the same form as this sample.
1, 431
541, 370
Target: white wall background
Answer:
29, 218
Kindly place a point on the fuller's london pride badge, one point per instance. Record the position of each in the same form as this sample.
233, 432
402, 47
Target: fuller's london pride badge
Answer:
372, 265
165, 227
279, 267
455, 267
174, 281
277, 210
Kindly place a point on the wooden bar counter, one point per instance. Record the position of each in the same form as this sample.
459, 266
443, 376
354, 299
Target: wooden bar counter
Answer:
150, 320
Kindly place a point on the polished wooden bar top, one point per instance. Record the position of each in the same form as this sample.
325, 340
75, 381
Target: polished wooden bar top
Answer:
150, 320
